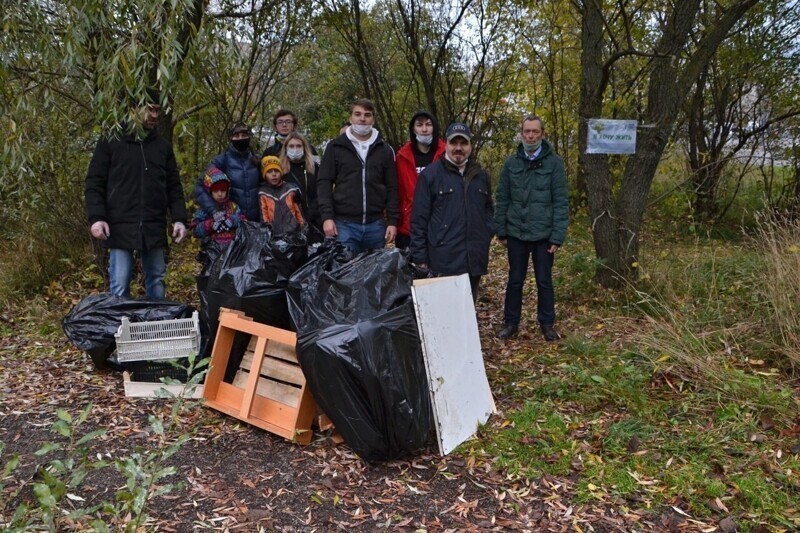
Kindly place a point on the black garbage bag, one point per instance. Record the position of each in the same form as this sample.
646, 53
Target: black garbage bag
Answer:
91, 324
360, 351
209, 253
251, 276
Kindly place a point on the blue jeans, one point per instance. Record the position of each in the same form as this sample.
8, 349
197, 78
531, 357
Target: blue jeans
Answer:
518, 254
361, 237
120, 272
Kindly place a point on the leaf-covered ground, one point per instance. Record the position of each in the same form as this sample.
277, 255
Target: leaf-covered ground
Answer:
539, 465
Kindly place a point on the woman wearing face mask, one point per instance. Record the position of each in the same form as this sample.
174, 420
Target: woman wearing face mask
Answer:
243, 168
298, 166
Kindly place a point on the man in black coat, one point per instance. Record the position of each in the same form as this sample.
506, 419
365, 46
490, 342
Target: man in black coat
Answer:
452, 218
131, 184
357, 184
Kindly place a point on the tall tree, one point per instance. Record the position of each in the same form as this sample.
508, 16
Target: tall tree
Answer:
674, 63
745, 90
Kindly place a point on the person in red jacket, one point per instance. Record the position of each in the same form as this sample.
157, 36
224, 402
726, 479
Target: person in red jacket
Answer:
423, 148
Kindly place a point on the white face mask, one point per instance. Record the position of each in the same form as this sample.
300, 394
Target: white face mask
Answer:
295, 154
362, 130
425, 139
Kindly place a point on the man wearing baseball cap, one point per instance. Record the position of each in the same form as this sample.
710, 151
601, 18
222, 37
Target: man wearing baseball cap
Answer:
452, 220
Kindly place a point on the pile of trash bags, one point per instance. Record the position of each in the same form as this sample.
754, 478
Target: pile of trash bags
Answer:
358, 343
250, 275
359, 348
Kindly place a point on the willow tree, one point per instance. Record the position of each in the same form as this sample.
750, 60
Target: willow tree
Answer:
679, 49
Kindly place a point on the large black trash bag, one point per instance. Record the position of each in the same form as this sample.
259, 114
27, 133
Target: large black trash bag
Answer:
251, 276
209, 253
92, 323
360, 351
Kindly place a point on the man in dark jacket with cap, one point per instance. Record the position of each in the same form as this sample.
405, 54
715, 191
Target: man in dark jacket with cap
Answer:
131, 184
531, 215
452, 220
423, 148
357, 184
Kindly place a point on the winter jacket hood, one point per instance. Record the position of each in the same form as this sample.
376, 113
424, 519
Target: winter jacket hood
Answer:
437, 144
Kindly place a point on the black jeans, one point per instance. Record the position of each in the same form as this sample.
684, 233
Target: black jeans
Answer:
518, 254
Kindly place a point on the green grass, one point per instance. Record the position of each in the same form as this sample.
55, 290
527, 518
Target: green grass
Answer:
658, 396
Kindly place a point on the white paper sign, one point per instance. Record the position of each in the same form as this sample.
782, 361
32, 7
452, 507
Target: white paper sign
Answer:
608, 136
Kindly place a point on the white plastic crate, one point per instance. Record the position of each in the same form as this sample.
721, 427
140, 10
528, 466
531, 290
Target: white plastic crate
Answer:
161, 339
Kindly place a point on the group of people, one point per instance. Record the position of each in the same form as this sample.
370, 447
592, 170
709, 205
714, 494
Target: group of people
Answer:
431, 197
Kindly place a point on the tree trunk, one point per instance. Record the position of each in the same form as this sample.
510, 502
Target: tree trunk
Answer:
617, 222
593, 170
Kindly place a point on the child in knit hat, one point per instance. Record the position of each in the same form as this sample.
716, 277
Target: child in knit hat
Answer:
222, 231
279, 199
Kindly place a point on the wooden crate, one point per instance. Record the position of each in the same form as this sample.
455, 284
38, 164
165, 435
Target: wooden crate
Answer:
269, 390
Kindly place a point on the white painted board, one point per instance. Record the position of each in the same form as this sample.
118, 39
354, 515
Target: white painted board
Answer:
142, 389
451, 346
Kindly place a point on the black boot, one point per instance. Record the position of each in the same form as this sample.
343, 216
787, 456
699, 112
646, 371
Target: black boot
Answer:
508, 332
549, 332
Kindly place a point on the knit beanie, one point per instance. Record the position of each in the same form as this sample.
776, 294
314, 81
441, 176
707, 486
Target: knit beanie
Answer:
215, 177
268, 163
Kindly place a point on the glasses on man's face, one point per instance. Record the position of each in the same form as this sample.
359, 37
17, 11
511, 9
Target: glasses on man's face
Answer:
284, 122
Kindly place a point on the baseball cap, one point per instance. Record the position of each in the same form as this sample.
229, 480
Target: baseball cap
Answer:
458, 129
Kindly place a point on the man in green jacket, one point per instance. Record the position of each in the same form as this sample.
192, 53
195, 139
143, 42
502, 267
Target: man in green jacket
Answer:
531, 218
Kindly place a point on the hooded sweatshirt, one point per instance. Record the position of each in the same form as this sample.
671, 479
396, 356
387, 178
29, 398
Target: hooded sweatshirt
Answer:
410, 162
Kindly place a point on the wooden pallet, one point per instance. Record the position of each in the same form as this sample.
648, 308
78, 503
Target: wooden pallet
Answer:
269, 390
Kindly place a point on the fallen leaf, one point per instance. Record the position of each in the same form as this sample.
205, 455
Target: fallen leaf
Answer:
728, 525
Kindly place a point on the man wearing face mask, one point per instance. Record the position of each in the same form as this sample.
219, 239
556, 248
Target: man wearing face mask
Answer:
422, 149
532, 214
452, 220
243, 168
357, 184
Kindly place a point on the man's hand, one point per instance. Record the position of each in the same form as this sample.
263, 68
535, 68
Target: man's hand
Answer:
552, 249
329, 227
391, 233
178, 232
100, 230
